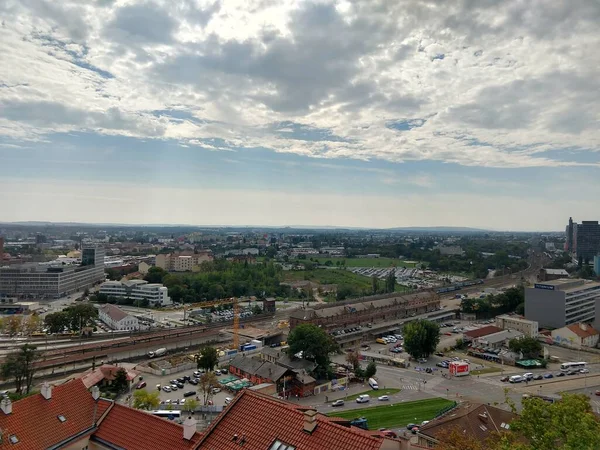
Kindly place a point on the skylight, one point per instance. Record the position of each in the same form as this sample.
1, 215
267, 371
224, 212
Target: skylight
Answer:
278, 445
14, 439
62, 418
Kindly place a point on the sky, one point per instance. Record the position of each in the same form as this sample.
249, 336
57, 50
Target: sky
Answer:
361, 113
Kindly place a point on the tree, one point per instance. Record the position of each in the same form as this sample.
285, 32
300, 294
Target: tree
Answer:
371, 370
314, 343
421, 338
207, 382
57, 322
256, 309
12, 325
120, 383
374, 284
454, 439
148, 400
155, 275
390, 281
208, 358
191, 404
19, 366
529, 346
32, 324
81, 315
352, 359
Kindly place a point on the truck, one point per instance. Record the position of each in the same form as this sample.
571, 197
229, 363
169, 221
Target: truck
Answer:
157, 353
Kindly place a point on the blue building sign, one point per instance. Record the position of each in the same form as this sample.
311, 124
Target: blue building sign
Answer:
548, 287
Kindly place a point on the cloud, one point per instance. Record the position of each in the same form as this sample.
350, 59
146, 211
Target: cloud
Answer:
475, 83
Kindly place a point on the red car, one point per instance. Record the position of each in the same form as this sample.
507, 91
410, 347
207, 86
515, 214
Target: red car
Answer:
141, 385
598, 393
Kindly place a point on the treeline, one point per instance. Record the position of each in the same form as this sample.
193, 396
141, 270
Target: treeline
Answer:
512, 300
221, 279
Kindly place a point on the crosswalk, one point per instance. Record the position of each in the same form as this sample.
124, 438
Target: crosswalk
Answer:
410, 387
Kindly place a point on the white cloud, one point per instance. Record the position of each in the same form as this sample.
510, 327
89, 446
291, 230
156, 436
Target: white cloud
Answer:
500, 84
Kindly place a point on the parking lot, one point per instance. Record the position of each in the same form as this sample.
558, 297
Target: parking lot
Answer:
175, 396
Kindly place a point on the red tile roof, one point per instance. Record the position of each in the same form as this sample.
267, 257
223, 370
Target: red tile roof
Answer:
34, 420
582, 330
483, 331
138, 430
260, 420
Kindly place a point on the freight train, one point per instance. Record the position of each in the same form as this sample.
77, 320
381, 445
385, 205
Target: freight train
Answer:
458, 286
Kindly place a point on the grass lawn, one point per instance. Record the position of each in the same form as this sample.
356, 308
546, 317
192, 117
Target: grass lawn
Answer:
397, 415
486, 370
373, 394
336, 276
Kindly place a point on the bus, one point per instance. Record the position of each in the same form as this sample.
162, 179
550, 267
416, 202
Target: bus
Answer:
166, 414
566, 367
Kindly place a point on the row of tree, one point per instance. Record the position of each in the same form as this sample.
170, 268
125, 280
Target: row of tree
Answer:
72, 318
15, 324
511, 300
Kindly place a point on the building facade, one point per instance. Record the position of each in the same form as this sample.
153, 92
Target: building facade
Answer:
156, 294
583, 239
554, 304
54, 281
117, 319
529, 328
552, 274
576, 335
182, 262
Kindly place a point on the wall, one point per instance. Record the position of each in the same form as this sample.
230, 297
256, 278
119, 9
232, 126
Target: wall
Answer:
547, 308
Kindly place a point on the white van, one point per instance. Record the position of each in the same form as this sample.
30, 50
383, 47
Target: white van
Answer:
528, 376
363, 398
373, 384
515, 379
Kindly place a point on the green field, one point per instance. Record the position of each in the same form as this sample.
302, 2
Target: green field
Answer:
335, 276
397, 415
389, 391
484, 371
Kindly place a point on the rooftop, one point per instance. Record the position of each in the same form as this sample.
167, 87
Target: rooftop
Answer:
501, 336
583, 330
114, 312
483, 331
476, 420
260, 421
556, 272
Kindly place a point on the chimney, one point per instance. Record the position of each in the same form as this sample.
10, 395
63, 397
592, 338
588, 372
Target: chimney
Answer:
583, 326
310, 420
483, 417
6, 406
189, 428
47, 390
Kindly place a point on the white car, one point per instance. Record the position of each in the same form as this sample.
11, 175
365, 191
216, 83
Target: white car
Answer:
383, 398
584, 371
215, 390
166, 388
167, 401
227, 400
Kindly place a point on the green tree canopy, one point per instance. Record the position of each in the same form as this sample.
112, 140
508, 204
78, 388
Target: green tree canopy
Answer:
147, 400
81, 315
529, 346
208, 358
57, 322
119, 384
371, 370
314, 343
19, 367
421, 338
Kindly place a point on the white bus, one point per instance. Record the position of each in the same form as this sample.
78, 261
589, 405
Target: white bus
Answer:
166, 414
566, 367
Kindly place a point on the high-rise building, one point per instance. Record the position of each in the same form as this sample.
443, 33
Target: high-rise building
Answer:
583, 239
1, 247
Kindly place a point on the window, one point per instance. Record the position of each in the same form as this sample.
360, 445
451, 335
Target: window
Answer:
61, 418
278, 445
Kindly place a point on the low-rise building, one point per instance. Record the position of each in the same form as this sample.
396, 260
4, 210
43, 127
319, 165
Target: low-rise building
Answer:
552, 274
514, 322
105, 375
143, 267
117, 319
477, 421
156, 294
576, 335
183, 261
471, 335
497, 340
258, 372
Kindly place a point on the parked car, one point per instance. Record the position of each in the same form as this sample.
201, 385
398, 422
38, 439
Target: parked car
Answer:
548, 375
166, 388
216, 390
504, 379
573, 372
422, 360
227, 400
584, 370
141, 385
180, 385
217, 372
194, 381
174, 387
538, 377
383, 398
338, 403
560, 374
189, 393
597, 393
439, 354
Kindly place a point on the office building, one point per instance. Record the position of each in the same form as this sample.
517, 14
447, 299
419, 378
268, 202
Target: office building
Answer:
137, 290
527, 327
554, 304
182, 262
46, 281
583, 239
597, 265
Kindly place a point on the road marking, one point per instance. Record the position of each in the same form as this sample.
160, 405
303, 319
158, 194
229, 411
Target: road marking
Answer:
410, 386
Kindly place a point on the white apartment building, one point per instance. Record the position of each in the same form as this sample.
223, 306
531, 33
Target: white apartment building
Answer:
155, 293
529, 328
117, 319
182, 262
